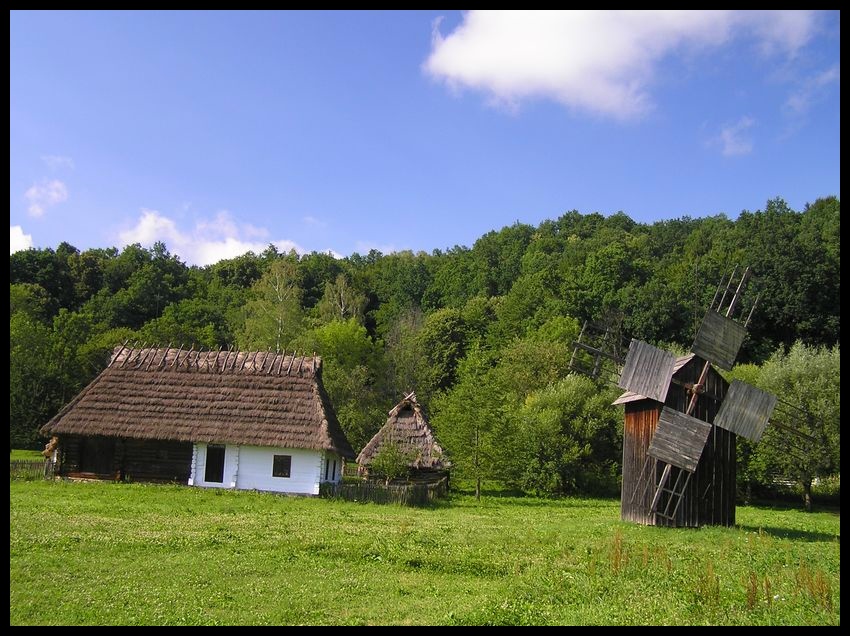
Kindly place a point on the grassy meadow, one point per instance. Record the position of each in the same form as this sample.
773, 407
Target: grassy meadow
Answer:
103, 553
26, 455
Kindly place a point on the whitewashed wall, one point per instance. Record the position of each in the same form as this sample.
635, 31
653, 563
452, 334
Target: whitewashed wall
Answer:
331, 468
250, 467
255, 470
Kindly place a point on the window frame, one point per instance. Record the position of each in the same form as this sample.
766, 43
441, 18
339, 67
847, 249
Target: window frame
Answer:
275, 466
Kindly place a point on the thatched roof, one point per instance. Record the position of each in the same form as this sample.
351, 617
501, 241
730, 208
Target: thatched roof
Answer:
255, 398
407, 427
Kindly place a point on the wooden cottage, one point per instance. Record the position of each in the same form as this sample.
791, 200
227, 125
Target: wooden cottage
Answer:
247, 420
407, 427
709, 498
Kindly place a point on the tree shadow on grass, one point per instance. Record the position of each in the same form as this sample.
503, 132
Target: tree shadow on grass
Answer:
793, 534
521, 499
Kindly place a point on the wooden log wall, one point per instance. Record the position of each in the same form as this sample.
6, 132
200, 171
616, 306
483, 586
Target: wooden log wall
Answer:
125, 459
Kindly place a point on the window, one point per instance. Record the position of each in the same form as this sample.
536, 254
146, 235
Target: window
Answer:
333, 472
282, 465
214, 471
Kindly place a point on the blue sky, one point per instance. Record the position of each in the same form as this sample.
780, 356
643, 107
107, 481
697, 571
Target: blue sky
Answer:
343, 131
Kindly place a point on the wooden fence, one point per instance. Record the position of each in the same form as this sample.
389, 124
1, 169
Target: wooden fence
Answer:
30, 470
413, 494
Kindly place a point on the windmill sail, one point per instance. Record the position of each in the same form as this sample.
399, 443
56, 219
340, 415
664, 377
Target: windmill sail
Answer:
679, 439
746, 410
647, 371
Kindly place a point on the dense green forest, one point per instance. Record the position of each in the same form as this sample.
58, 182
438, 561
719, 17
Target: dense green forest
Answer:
482, 334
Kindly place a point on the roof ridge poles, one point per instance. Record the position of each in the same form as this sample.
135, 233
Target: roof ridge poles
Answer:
276, 357
162, 362
115, 356
138, 359
177, 357
153, 357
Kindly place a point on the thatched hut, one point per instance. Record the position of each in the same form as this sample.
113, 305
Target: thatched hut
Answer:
226, 419
408, 428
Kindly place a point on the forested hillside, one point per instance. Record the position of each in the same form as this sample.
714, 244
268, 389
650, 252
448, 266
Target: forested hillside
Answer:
482, 333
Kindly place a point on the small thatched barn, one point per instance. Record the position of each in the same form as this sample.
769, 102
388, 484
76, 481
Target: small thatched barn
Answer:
709, 498
408, 428
248, 420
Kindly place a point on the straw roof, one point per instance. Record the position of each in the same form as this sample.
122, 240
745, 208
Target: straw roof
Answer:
255, 398
407, 427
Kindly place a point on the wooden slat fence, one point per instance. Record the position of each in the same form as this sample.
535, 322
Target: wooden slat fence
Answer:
414, 494
30, 470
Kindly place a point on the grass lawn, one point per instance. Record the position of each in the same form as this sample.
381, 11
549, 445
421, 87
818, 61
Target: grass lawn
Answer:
102, 553
26, 455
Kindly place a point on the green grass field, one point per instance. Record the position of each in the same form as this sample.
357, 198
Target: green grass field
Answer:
100, 553
26, 455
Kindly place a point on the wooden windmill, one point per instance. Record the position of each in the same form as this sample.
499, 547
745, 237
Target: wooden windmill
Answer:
681, 417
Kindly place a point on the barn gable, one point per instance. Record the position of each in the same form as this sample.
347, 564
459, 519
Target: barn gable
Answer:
408, 427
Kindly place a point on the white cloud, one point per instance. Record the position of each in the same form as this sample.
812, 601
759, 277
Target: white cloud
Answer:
44, 195
812, 90
210, 240
208, 252
313, 221
18, 240
220, 226
56, 162
601, 62
252, 231
152, 227
781, 31
733, 139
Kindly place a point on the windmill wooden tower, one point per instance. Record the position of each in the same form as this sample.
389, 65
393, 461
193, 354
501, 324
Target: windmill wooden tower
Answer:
681, 417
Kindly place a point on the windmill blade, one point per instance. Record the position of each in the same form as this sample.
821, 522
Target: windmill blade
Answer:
746, 410
719, 339
598, 352
679, 439
789, 420
597, 369
789, 441
647, 371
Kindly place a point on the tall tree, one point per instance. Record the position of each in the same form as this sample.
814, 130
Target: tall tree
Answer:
273, 317
341, 301
405, 362
470, 422
810, 378
33, 380
350, 366
443, 340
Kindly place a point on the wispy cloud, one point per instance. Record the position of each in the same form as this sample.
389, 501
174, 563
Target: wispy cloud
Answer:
601, 62
812, 90
45, 194
209, 241
314, 222
57, 162
733, 138
18, 240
